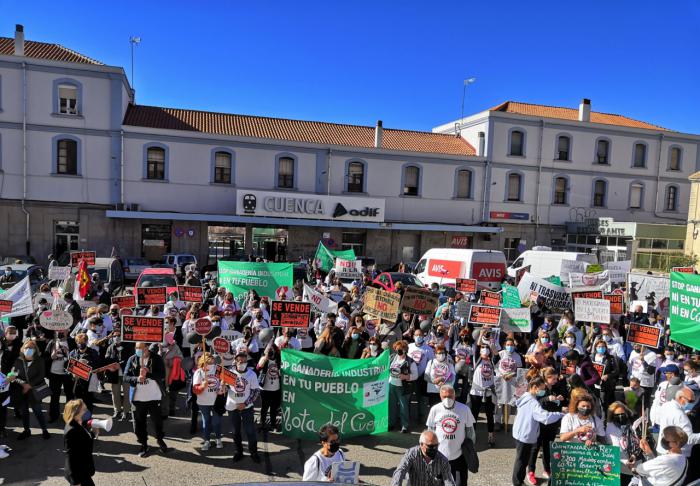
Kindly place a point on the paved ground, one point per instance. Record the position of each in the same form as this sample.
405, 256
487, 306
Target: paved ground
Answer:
36, 461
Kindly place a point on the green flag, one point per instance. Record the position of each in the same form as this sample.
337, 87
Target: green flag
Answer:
352, 394
325, 258
684, 315
264, 278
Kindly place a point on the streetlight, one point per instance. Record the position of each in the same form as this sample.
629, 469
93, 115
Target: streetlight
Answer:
597, 248
134, 41
464, 93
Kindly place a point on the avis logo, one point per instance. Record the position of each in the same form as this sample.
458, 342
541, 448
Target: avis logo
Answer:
439, 268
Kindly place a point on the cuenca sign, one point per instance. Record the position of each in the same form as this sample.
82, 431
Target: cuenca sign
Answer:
264, 203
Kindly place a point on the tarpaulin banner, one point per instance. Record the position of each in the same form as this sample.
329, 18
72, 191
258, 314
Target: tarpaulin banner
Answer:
21, 296
325, 257
685, 309
352, 394
555, 297
265, 278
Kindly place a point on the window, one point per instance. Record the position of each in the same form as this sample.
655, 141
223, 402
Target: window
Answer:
355, 241
514, 183
510, 249
602, 152
356, 177
411, 176
67, 99
285, 173
636, 195
517, 139
563, 147
561, 190
674, 162
67, 159
671, 198
600, 188
464, 184
155, 163
640, 155
222, 168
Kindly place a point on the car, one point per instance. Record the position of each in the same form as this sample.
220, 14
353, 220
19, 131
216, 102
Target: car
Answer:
409, 266
19, 271
157, 277
178, 261
110, 271
133, 266
388, 280
17, 260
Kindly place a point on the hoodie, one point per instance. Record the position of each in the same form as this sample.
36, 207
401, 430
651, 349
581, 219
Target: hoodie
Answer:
530, 415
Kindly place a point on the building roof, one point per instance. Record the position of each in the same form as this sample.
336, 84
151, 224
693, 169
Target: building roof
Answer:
44, 50
294, 130
545, 111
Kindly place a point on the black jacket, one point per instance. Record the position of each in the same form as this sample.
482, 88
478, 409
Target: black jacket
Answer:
74, 310
79, 464
9, 352
156, 370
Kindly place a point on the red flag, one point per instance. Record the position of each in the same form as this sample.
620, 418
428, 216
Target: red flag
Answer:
83, 279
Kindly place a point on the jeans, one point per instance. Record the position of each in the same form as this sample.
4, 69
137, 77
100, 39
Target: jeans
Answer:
120, 396
398, 399
141, 412
56, 382
244, 419
210, 419
522, 456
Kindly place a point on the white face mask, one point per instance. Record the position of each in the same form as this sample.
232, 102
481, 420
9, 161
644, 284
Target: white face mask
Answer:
570, 340
241, 367
448, 402
440, 357
373, 347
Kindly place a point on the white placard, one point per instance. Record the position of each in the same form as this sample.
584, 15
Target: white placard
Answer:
617, 271
319, 302
598, 279
348, 268
555, 296
56, 320
592, 310
58, 273
568, 266
516, 319
640, 285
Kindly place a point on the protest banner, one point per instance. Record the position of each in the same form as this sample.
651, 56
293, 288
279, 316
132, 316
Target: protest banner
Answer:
381, 304
616, 303
202, 326
640, 286
419, 301
56, 320
511, 298
617, 271
6, 306
190, 293
516, 319
58, 273
144, 329
644, 334
325, 257
265, 278
683, 269
592, 310
520, 273
568, 266
466, 285
576, 464
585, 293
226, 376
461, 309
123, 301
285, 313
350, 269
320, 302
684, 315
151, 295
352, 394
491, 299
598, 279
482, 315
77, 256
79, 369
21, 296
221, 345
555, 297
346, 472
599, 367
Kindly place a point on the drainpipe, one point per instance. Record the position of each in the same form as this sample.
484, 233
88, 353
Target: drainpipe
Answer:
328, 172
487, 169
24, 157
539, 174
121, 168
658, 185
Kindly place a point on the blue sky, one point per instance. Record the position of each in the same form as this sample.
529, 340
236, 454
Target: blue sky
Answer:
399, 61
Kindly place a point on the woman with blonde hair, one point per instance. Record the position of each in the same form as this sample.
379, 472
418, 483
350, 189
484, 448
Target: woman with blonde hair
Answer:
77, 438
29, 387
206, 386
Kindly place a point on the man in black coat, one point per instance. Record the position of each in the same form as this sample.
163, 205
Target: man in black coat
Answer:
73, 308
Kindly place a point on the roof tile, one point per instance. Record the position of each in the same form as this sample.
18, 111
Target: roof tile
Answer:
43, 50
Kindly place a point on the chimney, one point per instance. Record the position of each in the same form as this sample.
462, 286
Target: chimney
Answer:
378, 134
584, 110
19, 40
482, 144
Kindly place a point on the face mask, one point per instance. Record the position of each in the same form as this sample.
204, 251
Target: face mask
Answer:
540, 393
11, 337
355, 337
510, 349
431, 451
688, 373
334, 447
8, 272
584, 412
82, 345
419, 340
665, 444
399, 352
570, 341
637, 350
29, 352
263, 307
544, 340
440, 357
601, 350
688, 406
620, 418
139, 353
669, 357
545, 326
485, 351
241, 367
373, 347
440, 334
607, 338
448, 402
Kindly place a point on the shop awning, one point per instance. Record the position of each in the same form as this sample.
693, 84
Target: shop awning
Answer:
320, 223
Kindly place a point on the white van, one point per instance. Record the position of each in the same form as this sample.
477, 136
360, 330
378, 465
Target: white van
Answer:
444, 265
545, 263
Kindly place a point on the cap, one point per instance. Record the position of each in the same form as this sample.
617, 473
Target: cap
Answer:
671, 368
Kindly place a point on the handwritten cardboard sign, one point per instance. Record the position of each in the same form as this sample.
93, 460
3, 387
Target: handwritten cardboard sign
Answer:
151, 295
592, 310
382, 304
142, 329
482, 315
58, 273
56, 320
285, 313
419, 301
190, 293
575, 464
78, 369
648, 336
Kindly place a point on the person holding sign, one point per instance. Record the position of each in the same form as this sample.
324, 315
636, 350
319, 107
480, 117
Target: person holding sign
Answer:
403, 374
581, 424
28, 383
269, 368
206, 385
668, 469
239, 403
609, 371
318, 466
83, 389
483, 390
642, 365
58, 352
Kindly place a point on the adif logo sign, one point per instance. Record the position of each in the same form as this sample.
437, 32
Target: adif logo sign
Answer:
368, 212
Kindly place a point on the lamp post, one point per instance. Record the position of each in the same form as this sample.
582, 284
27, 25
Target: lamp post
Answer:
597, 248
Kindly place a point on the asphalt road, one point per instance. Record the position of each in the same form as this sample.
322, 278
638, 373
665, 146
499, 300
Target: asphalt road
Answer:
38, 461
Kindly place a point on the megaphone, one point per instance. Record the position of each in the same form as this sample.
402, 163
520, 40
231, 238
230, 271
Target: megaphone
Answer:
101, 424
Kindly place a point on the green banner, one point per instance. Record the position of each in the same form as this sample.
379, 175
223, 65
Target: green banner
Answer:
325, 258
575, 464
352, 394
264, 278
554, 279
511, 297
684, 315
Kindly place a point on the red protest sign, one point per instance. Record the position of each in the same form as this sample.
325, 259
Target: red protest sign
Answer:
643, 334
221, 345
88, 256
126, 311
5, 306
600, 368
484, 315
189, 293
78, 369
143, 329
616, 303
203, 326
587, 294
226, 376
466, 285
520, 272
683, 269
124, 301
151, 295
286, 313
491, 299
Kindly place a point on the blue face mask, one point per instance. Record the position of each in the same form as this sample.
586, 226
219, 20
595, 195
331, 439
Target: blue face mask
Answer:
510, 349
601, 350
545, 326
419, 340
139, 353
540, 393
355, 337
688, 406
544, 340
29, 352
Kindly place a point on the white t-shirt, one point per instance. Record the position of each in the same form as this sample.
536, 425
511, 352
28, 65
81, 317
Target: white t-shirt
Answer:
636, 367
208, 396
318, 466
272, 378
246, 382
450, 427
147, 392
292, 343
571, 422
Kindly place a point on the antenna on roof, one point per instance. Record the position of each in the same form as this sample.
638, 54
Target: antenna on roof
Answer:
134, 41
464, 93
